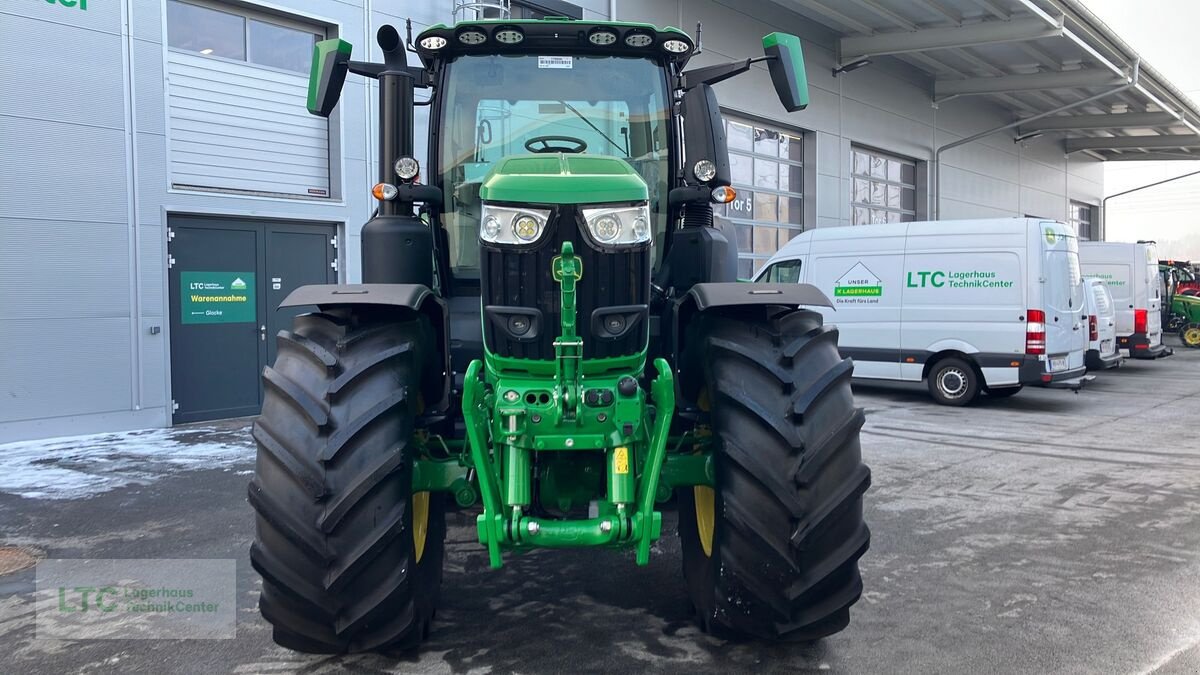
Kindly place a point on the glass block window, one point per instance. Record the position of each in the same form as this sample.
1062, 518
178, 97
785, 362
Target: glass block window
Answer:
1083, 217
882, 188
765, 166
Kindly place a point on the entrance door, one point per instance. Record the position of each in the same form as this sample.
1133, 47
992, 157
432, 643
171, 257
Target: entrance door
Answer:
227, 278
297, 255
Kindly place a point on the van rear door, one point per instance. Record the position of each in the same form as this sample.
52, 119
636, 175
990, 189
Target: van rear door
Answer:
1106, 324
1154, 291
1062, 293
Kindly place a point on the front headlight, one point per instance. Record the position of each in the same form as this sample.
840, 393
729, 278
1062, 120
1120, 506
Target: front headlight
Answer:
620, 226
504, 225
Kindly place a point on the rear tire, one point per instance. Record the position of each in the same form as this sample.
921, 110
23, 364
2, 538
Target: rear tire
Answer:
954, 382
784, 526
1190, 336
338, 528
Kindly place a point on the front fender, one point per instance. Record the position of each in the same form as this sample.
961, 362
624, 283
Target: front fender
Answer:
719, 297
414, 297
736, 294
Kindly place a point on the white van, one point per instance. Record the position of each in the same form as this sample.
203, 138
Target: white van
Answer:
970, 305
1131, 273
1102, 350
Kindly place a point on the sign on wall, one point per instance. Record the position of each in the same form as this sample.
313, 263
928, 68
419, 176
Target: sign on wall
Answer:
217, 297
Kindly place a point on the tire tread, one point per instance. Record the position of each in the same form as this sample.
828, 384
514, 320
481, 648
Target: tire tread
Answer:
333, 537
788, 454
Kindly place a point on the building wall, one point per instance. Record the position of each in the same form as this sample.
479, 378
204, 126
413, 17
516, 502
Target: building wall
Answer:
885, 106
84, 193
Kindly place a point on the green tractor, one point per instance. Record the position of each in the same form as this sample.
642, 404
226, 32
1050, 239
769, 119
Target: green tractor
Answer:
1185, 318
550, 328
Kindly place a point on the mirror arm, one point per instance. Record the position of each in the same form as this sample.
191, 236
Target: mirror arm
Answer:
717, 73
421, 77
371, 70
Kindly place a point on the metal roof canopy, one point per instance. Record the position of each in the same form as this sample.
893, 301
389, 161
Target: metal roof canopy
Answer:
1052, 63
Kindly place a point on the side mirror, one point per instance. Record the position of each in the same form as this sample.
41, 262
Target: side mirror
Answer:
330, 63
704, 135
786, 65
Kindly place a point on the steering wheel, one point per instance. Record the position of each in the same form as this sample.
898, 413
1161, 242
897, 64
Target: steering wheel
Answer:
577, 144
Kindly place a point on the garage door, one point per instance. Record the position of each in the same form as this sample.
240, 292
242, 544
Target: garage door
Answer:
227, 278
237, 85
766, 166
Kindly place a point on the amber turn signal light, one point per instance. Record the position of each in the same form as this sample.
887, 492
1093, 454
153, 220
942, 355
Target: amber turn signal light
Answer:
384, 191
723, 194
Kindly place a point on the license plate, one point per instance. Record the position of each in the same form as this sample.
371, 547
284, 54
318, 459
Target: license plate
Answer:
1058, 363
1106, 346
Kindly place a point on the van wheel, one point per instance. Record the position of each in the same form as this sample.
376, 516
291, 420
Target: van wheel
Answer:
953, 382
1004, 392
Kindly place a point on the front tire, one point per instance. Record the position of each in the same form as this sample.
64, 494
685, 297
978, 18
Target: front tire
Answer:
772, 552
351, 559
954, 382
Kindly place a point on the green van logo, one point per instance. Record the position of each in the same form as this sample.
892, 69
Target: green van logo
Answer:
237, 284
1051, 236
858, 285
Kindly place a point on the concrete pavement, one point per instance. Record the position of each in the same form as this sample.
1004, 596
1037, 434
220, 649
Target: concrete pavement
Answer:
1048, 532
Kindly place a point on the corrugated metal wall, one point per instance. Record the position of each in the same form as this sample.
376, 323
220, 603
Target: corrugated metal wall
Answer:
238, 126
82, 225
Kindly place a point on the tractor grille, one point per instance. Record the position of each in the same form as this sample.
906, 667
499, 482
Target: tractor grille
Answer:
521, 277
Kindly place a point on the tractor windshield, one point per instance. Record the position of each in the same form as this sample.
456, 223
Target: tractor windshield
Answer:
494, 106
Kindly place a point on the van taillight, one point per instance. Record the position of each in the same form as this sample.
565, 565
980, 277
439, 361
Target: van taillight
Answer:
1035, 332
1141, 321
1093, 328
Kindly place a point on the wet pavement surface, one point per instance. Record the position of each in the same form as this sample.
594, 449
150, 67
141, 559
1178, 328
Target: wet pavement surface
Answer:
1048, 532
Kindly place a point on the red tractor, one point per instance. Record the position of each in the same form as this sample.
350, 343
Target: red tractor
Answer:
1187, 282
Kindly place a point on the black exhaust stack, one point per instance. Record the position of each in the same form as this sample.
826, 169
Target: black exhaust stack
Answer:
397, 247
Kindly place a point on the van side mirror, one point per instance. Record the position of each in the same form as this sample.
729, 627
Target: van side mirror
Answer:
330, 63
704, 136
786, 65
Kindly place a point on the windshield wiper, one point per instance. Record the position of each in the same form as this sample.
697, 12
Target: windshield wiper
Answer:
595, 128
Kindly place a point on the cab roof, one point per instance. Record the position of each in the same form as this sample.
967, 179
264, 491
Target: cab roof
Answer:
554, 35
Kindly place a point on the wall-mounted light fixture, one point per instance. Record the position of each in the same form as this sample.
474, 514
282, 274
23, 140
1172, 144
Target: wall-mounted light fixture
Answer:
853, 65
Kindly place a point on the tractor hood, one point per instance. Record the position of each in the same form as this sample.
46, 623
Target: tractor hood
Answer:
1187, 304
562, 179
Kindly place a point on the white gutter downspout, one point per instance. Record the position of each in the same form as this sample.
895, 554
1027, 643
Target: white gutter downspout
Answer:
131, 196
612, 10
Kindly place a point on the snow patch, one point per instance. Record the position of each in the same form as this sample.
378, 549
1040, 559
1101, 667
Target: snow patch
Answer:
74, 467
